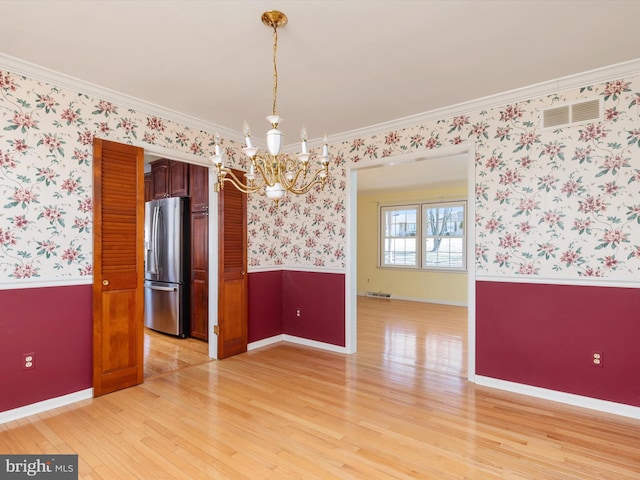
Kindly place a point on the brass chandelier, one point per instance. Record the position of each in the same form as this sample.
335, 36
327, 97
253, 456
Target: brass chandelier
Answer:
272, 173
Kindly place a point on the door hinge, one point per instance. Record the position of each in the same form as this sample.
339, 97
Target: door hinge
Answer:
216, 330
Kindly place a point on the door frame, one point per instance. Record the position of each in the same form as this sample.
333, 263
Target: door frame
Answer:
351, 275
163, 152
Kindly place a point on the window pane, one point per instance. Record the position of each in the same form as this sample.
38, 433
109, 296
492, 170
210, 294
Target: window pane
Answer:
446, 220
444, 239
400, 251
399, 235
401, 223
443, 252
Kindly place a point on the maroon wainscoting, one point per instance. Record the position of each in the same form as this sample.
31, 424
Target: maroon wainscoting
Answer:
265, 305
56, 324
546, 335
320, 298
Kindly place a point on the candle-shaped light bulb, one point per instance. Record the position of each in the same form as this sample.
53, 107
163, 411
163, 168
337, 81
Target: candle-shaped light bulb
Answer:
325, 146
303, 139
216, 143
247, 134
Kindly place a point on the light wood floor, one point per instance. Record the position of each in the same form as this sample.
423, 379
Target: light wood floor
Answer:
165, 353
398, 409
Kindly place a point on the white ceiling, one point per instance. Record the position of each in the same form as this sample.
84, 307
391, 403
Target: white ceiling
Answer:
343, 64
451, 171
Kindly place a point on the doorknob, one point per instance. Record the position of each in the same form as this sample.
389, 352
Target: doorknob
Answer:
105, 282
242, 273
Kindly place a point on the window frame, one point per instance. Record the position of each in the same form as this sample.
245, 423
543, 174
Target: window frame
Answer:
420, 235
424, 206
382, 237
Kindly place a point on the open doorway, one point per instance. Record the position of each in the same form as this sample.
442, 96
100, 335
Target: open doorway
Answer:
414, 166
163, 352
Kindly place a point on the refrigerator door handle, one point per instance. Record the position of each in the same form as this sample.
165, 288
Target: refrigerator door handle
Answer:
154, 241
162, 289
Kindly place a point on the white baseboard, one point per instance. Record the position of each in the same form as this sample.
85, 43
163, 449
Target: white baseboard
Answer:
312, 343
45, 405
297, 340
561, 397
265, 342
422, 300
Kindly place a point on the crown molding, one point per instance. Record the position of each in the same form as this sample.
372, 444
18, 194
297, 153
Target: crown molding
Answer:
37, 72
590, 77
550, 87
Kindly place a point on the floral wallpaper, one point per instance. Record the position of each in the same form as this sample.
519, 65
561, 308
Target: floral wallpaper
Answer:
561, 203
46, 175
303, 231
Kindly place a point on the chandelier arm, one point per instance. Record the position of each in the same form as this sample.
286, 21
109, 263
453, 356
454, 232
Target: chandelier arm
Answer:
265, 171
229, 176
289, 185
316, 179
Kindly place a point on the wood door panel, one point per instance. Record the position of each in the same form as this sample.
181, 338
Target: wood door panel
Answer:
118, 351
199, 188
178, 179
233, 308
148, 187
160, 179
118, 262
232, 289
200, 275
200, 309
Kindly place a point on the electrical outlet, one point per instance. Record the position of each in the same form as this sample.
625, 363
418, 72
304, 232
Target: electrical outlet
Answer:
29, 361
598, 359
298, 312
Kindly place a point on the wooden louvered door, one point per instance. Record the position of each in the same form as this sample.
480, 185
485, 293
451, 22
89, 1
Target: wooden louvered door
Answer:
118, 266
232, 293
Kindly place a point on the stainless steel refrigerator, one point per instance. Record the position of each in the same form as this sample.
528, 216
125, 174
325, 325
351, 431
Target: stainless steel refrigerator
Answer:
166, 265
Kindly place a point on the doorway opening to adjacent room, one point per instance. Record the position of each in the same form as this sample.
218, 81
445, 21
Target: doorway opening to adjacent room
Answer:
419, 177
162, 352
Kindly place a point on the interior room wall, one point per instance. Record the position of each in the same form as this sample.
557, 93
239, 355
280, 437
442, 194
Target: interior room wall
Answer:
419, 285
554, 206
46, 231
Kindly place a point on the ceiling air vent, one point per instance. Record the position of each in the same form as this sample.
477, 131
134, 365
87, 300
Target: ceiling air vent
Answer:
571, 114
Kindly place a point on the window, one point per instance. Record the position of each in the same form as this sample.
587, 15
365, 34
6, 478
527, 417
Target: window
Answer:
443, 236
399, 246
426, 235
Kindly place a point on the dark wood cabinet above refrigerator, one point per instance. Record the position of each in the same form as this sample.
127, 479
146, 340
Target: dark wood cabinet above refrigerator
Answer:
169, 178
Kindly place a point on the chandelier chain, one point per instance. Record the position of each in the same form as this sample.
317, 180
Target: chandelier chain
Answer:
273, 173
275, 68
